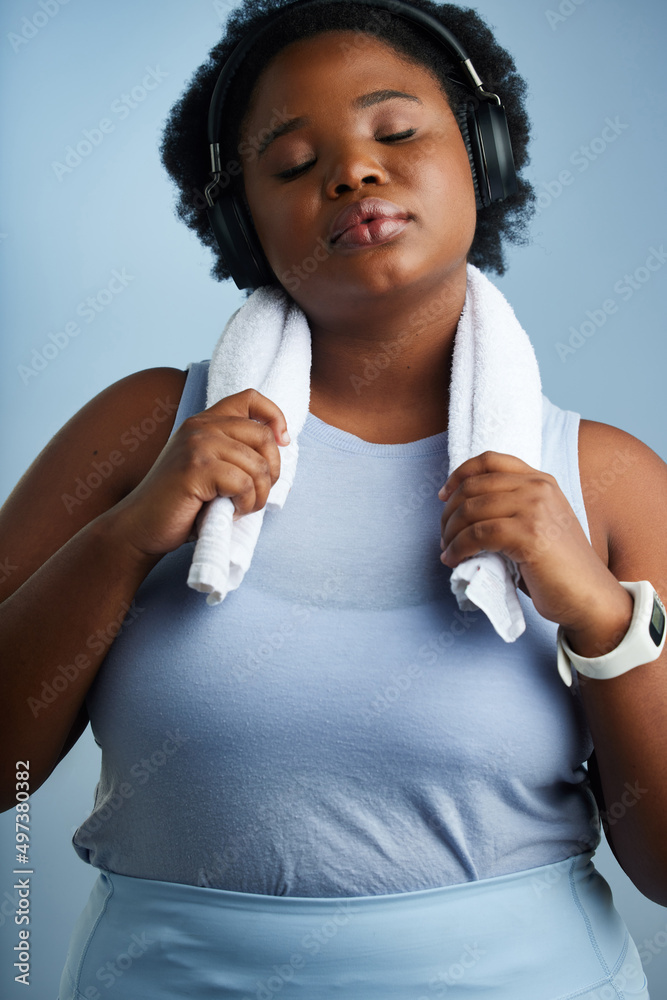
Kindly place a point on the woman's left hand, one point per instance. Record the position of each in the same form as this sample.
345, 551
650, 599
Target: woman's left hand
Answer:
498, 503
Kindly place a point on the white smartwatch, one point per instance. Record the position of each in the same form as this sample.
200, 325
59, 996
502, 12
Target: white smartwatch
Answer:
642, 643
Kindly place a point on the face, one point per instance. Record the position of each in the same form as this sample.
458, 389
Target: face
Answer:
344, 134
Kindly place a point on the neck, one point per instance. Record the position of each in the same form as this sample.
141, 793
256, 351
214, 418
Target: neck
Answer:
383, 373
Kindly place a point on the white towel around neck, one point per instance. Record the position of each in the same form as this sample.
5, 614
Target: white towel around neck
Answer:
495, 404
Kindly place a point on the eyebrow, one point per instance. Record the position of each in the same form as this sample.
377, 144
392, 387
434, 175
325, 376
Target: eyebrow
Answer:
365, 101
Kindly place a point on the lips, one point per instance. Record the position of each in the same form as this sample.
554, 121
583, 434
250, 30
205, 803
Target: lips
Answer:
365, 211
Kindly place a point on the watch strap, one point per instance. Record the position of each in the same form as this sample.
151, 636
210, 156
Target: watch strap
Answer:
642, 643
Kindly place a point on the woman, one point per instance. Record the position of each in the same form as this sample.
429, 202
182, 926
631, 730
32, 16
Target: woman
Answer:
346, 799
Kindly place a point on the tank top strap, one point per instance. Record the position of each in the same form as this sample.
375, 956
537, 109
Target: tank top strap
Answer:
193, 398
560, 455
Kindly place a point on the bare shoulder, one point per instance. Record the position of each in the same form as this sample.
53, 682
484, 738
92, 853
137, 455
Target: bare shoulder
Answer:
94, 460
137, 413
624, 485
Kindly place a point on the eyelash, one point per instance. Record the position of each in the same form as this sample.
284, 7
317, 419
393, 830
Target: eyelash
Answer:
294, 171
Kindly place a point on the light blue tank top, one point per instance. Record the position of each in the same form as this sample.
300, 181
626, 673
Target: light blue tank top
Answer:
336, 726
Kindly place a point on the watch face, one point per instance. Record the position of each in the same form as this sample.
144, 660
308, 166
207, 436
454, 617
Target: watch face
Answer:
657, 624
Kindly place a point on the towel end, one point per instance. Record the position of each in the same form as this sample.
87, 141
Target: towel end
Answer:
214, 596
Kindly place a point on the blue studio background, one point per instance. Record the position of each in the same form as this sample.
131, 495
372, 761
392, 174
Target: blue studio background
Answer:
597, 100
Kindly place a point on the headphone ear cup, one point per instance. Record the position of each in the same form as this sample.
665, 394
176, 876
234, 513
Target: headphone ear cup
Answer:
486, 137
238, 243
466, 119
497, 153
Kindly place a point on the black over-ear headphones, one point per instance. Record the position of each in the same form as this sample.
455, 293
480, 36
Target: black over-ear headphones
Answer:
482, 122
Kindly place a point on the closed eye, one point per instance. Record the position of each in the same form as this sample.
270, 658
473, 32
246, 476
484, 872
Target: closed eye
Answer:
398, 135
294, 171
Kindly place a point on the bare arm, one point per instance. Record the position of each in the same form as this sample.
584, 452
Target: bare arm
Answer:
77, 566
68, 573
625, 485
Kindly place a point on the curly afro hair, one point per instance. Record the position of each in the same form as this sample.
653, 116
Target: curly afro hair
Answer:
185, 148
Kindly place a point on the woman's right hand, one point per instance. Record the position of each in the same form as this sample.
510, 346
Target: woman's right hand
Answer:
227, 450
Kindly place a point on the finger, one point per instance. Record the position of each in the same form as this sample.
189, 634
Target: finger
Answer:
482, 536
246, 474
488, 482
253, 404
471, 510
232, 481
256, 438
488, 461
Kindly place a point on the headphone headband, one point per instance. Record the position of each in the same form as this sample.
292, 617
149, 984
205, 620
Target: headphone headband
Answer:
482, 121
417, 16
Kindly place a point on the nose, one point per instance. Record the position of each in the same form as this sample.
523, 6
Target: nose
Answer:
351, 166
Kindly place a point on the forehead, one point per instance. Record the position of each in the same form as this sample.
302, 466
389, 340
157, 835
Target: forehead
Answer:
320, 66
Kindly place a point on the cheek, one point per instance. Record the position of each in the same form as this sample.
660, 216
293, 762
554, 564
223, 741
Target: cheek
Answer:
256, 207
285, 225
448, 226
443, 176
450, 181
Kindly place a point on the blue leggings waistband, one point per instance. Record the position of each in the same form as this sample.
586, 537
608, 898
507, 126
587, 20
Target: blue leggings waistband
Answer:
548, 933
